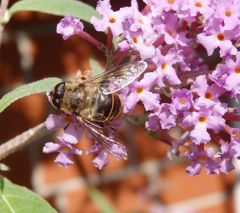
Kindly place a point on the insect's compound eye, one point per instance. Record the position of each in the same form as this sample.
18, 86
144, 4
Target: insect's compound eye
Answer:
57, 94
59, 90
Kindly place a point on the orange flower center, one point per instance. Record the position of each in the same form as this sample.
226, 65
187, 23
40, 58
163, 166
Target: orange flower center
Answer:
170, 1
236, 135
220, 36
135, 39
112, 20
170, 32
202, 159
237, 70
202, 119
198, 4
141, 21
228, 13
182, 100
208, 95
164, 66
139, 90
65, 149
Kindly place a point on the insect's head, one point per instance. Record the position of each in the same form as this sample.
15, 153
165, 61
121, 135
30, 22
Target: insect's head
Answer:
57, 94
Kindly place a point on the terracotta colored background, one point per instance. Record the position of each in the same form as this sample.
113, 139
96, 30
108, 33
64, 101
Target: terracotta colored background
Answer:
146, 182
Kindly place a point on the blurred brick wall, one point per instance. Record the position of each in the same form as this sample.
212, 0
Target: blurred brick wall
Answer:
146, 182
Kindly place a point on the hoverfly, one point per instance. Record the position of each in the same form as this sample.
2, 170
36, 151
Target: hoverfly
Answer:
94, 101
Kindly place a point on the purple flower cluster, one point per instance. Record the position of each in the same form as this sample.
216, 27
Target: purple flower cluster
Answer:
193, 47
71, 133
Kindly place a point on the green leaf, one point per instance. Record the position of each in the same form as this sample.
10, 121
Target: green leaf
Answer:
96, 67
56, 7
27, 89
4, 167
100, 200
18, 199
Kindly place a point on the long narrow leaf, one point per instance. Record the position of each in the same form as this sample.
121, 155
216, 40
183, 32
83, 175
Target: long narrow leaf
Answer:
16, 199
96, 67
56, 7
27, 89
102, 203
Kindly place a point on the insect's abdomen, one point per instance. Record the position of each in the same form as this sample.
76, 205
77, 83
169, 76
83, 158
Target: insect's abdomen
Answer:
106, 107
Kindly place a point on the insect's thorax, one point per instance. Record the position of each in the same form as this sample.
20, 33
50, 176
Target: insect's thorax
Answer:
90, 103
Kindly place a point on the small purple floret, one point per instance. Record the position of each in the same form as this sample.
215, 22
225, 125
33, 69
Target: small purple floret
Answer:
69, 26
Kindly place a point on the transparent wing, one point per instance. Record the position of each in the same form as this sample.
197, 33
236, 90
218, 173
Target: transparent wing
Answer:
113, 80
106, 136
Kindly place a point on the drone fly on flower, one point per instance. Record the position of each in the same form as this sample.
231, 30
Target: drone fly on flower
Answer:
94, 101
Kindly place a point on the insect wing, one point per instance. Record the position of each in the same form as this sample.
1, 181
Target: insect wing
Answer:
106, 136
112, 81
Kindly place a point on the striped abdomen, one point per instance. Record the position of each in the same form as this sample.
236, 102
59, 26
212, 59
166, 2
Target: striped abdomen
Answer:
106, 107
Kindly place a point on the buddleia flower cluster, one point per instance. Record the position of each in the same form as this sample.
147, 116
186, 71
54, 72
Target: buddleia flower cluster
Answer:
192, 48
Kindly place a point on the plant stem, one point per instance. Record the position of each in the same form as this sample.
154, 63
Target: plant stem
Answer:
22, 140
92, 40
3, 8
